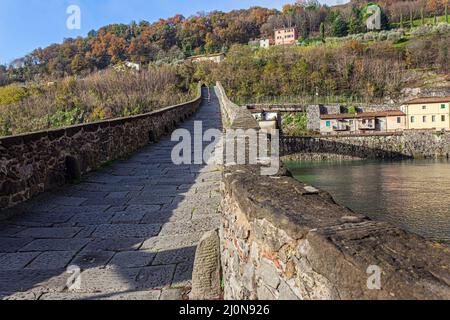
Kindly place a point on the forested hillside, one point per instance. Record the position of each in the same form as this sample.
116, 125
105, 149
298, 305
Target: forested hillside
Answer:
347, 71
175, 38
337, 61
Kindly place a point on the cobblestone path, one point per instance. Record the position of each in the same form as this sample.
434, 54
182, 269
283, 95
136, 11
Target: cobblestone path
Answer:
131, 229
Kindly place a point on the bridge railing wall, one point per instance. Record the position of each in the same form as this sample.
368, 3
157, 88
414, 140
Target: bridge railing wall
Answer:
36, 162
282, 239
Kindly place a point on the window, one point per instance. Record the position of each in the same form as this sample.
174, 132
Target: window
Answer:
443, 106
424, 107
413, 119
443, 118
433, 118
328, 123
399, 120
424, 119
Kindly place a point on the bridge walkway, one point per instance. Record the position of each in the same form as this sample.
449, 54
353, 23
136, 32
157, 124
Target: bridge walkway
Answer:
130, 230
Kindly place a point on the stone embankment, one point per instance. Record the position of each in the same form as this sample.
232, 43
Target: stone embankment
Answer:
33, 163
395, 146
282, 239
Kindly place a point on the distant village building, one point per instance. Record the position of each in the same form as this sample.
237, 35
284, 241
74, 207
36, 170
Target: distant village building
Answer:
217, 57
123, 66
286, 36
365, 122
132, 65
266, 43
431, 113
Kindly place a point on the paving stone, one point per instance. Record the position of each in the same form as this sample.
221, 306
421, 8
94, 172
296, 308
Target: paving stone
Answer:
157, 217
20, 296
150, 200
45, 218
112, 280
171, 295
92, 259
108, 201
156, 277
8, 230
86, 232
117, 195
183, 275
159, 190
20, 281
51, 260
84, 209
9, 245
68, 201
37, 206
49, 233
55, 245
127, 217
125, 296
175, 256
86, 194
133, 259
194, 226
15, 261
162, 243
102, 178
115, 244
127, 231
110, 188
86, 219
145, 209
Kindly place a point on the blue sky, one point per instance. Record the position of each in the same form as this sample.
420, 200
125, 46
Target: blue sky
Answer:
29, 24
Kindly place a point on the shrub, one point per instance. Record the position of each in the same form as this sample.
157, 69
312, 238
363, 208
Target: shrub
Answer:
107, 94
12, 94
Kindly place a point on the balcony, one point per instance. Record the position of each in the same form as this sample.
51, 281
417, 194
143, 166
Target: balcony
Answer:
367, 125
341, 127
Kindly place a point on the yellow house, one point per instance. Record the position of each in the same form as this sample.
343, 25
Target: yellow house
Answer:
431, 113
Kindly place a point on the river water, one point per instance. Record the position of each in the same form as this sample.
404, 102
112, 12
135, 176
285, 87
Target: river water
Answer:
413, 195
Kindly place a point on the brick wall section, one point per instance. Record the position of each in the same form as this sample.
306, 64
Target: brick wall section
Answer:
36, 162
406, 145
280, 239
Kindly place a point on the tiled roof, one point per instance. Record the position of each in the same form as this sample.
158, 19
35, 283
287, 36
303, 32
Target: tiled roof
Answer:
389, 113
429, 100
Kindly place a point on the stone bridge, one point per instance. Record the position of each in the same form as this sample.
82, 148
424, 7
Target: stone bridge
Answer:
131, 227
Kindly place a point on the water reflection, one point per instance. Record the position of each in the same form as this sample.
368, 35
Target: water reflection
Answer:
414, 195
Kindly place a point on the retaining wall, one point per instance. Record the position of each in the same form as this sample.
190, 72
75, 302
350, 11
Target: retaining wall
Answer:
406, 145
36, 162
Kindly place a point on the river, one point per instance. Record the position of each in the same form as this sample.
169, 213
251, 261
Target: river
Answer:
413, 195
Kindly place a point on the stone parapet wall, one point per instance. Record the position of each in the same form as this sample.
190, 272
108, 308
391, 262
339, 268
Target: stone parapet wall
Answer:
236, 117
406, 145
33, 163
282, 240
